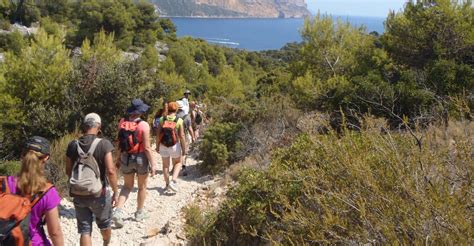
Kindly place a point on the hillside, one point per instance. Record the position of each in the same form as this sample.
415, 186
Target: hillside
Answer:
233, 8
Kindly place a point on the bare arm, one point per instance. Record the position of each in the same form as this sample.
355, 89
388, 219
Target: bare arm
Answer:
191, 132
111, 170
148, 151
68, 167
158, 137
54, 227
182, 139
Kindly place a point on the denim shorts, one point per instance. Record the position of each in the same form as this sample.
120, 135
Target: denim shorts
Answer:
88, 208
131, 164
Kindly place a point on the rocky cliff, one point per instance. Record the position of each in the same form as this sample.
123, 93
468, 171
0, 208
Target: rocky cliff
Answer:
233, 8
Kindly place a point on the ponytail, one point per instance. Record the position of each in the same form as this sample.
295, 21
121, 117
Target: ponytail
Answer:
32, 178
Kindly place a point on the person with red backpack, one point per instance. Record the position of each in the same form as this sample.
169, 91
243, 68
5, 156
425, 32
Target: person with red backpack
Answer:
28, 201
135, 158
171, 143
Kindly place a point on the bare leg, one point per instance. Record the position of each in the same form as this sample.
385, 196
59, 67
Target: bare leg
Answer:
142, 183
166, 169
106, 236
176, 167
128, 180
86, 240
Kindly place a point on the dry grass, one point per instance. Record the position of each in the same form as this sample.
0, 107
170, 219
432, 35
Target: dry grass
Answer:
56, 168
370, 186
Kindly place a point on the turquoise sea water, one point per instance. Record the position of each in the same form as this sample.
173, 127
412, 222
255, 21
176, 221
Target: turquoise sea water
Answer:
256, 34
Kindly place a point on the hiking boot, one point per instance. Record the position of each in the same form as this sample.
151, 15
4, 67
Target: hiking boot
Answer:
140, 215
117, 217
173, 186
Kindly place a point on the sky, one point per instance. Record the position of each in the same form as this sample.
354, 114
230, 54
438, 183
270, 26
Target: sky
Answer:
375, 8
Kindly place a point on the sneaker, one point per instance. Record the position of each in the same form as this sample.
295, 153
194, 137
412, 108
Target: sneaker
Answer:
173, 186
140, 215
118, 218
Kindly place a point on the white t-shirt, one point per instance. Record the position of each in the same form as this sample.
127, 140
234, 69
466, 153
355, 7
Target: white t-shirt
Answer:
185, 105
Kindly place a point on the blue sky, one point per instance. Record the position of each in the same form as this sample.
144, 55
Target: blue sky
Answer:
378, 8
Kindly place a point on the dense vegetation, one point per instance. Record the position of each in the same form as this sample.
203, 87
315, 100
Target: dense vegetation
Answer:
133, 24
347, 137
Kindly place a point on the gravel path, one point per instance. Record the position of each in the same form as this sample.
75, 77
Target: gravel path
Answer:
164, 225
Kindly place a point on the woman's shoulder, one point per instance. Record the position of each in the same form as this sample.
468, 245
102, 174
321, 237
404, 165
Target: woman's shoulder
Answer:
50, 198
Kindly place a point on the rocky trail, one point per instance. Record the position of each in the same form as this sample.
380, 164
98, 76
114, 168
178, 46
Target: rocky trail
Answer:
164, 225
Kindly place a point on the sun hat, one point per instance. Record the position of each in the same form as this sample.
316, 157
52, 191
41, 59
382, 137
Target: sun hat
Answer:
92, 118
137, 107
187, 92
37, 143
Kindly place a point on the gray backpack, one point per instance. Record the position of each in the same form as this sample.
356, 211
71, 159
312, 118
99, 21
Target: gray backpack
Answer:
85, 178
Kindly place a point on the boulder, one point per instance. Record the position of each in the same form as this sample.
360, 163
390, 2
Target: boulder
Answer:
162, 48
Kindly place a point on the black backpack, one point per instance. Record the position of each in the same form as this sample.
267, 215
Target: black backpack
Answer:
198, 118
169, 136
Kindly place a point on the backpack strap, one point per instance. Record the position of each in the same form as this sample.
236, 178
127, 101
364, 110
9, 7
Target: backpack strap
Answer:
38, 196
4, 188
94, 146
91, 148
80, 152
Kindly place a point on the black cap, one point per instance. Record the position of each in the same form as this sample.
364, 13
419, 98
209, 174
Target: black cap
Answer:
38, 143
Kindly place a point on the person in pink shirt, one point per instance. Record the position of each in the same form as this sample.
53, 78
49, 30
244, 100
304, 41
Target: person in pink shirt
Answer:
140, 163
31, 181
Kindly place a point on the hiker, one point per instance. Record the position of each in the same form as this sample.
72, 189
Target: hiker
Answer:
135, 158
185, 101
188, 130
30, 186
161, 112
90, 167
196, 118
171, 143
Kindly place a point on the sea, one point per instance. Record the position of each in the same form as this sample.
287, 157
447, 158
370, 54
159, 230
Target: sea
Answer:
257, 34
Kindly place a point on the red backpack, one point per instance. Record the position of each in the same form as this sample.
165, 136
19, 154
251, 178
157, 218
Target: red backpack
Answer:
129, 136
169, 136
15, 212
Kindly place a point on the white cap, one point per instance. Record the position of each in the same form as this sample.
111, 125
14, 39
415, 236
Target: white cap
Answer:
93, 118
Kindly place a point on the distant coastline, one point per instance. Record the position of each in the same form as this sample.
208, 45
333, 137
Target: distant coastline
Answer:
232, 17
272, 18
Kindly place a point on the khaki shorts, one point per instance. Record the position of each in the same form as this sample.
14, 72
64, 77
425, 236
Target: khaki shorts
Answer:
134, 163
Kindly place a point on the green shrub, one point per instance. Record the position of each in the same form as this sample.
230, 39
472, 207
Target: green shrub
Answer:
8, 168
218, 147
361, 187
194, 215
56, 167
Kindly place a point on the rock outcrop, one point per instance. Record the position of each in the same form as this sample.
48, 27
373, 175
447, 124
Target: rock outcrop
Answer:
233, 8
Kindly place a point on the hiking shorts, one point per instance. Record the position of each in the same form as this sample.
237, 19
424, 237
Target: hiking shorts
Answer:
88, 208
131, 164
173, 152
